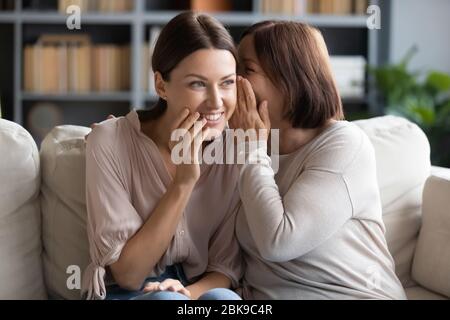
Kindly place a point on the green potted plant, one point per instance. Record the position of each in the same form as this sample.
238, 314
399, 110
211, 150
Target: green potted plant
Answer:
421, 98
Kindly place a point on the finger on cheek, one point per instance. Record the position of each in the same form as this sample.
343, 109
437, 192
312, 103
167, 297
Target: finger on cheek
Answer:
249, 93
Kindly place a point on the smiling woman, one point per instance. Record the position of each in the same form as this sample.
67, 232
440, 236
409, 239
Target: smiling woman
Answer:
156, 230
203, 86
188, 73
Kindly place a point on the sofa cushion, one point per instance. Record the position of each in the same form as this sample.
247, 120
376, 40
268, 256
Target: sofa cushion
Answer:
431, 267
66, 247
20, 222
420, 293
402, 153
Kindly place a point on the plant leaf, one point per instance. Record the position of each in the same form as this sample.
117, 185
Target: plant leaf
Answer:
438, 80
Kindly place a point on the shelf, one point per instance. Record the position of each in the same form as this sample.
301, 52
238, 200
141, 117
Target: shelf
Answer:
352, 21
8, 16
52, 17
94, 96
162, 17
315, 20
345, 34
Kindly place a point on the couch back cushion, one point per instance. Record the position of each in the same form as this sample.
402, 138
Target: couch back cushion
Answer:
402, 153
66, 247
20, 222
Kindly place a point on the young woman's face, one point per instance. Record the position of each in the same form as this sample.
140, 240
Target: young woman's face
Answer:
250, 68
204, 82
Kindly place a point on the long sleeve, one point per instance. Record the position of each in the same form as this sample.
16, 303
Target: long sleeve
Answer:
112, 219
224, 253
315, 206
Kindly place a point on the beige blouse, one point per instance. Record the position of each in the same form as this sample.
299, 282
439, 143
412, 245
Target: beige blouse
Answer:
314, 230
126, 177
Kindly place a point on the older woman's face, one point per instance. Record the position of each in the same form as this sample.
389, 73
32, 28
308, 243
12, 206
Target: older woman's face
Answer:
204, 82
250, 68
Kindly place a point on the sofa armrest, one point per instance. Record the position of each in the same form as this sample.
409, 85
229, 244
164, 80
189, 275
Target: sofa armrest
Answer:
431, 263
440, 172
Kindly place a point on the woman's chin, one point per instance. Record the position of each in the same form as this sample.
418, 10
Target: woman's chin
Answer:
214, 131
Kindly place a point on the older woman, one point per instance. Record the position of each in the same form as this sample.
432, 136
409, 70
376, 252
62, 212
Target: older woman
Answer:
314, 229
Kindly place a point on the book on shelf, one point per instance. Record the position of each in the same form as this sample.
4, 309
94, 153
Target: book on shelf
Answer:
61, 64
349, 73
109, 6
211, 6
7, 5
283, 7
360, 7
337, 7
325, 7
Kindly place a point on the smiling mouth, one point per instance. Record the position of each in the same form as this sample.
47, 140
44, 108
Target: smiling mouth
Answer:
212, 117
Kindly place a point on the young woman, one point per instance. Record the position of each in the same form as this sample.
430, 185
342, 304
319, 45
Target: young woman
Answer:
159, 230
314, 230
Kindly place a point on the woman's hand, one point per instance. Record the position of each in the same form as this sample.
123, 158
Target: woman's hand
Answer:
188, 171
247, 114
167, 285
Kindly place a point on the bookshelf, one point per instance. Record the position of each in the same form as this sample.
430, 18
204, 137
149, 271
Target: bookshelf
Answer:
345, 34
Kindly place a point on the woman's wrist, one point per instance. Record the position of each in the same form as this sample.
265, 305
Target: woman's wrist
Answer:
185, 185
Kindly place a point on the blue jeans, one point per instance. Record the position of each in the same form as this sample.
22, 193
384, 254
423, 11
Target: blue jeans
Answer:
114, 292
213, 294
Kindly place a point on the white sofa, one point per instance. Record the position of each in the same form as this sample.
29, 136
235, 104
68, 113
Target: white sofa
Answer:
43, 241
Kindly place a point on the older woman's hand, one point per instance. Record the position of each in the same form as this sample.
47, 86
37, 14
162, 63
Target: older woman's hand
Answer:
248, 115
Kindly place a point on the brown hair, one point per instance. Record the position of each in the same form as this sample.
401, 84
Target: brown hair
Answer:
182, 36
296, 60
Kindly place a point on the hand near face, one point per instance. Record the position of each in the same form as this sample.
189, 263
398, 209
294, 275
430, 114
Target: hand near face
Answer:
193, 134
248, 115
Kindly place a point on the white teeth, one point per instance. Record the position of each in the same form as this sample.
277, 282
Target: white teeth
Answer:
212, 117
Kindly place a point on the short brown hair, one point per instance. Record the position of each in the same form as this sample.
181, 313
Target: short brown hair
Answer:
183, 35
295, 58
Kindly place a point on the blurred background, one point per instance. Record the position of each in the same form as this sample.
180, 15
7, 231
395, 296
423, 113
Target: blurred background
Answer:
50, 75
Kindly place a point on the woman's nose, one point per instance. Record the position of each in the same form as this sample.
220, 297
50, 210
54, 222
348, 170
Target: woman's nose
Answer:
215, 98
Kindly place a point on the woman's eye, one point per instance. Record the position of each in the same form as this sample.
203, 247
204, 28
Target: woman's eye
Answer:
249, 70
197, 84
228, 82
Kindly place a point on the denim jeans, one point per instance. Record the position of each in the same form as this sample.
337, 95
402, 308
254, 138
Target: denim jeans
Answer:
114, 292
213, 294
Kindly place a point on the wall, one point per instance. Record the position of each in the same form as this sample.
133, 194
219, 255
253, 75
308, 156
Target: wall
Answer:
425, 23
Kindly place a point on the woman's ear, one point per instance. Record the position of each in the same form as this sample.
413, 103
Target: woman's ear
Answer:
160, 85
